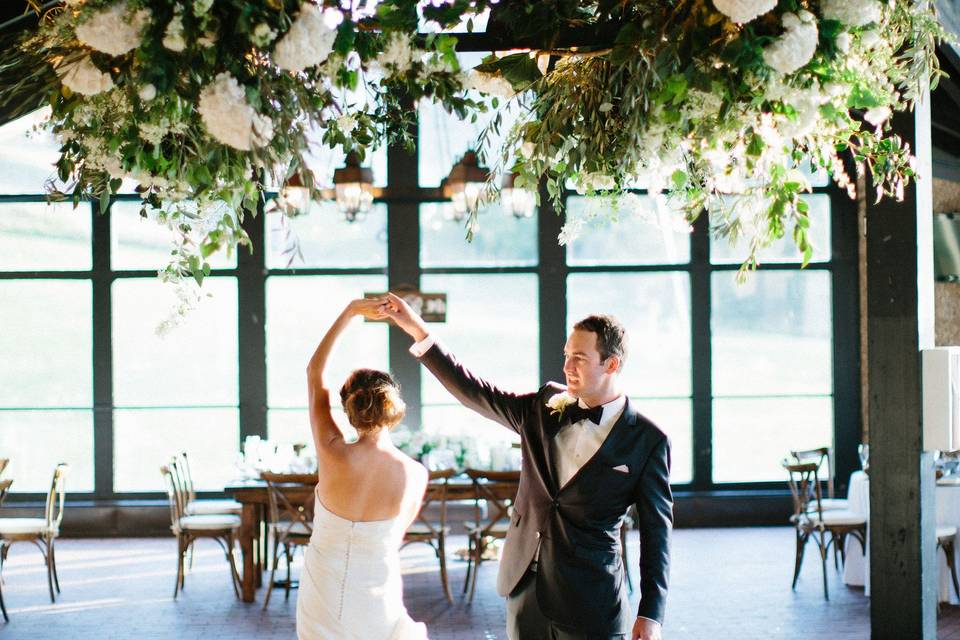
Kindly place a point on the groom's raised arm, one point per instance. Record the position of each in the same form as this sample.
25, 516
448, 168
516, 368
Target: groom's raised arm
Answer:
508, 409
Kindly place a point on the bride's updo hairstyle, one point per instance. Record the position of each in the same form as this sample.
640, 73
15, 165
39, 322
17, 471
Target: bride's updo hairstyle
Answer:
371, 400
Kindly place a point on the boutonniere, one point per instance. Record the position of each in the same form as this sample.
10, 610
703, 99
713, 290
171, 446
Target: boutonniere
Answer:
558, 403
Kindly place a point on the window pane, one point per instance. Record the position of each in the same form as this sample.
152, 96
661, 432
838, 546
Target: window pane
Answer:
783, 250
195, 364
46, 339
36, 441
502, 241
292, 426
26, 170
773, 334
300, 309
655, 309
649, 233
35, 236
751, 436
493, 328
323, 160
675, 418
326, 240
142, 243
144, 439
444, 138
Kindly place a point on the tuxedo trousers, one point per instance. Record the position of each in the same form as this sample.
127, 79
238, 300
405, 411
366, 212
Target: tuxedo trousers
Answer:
525, 620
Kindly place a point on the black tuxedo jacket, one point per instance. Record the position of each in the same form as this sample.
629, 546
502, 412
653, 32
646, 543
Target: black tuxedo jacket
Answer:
580, 580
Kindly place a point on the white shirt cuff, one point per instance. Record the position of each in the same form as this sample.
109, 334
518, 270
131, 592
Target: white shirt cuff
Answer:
646, 618
417, 349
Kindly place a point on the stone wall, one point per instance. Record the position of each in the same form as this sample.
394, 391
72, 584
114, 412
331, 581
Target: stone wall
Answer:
946, 199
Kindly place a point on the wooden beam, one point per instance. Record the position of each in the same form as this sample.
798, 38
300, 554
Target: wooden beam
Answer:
900, 322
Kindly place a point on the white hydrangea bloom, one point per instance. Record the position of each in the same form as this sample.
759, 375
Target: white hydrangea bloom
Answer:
309, 40
397, 56
853, 13
492, 84
877, 115
208, 39
346, 123
84, 77
870, 38
796, 46
229, 119
743, 11
571, 231
173, 36
147, 92
843, 42
114, 30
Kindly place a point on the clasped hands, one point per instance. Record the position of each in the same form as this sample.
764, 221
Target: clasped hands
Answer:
391, 307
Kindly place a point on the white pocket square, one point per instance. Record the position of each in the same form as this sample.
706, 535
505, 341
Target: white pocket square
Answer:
622, 468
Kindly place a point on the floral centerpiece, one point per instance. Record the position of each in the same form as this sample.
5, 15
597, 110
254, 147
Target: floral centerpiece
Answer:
716, 103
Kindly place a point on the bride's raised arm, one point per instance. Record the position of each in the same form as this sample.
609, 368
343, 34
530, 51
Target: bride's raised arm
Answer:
325, 431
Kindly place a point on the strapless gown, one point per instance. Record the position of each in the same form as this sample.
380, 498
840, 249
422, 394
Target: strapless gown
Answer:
351, 586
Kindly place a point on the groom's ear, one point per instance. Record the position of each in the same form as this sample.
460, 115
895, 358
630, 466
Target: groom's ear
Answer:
612, 365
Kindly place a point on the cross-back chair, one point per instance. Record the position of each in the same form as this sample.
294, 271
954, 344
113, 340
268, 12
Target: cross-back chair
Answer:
811, 520
497, 490
823, 457
430, 527
291, 501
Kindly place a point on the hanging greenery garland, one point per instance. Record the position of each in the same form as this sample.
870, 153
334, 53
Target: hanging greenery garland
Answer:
718, 104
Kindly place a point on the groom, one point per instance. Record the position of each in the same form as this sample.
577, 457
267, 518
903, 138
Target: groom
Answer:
587, 456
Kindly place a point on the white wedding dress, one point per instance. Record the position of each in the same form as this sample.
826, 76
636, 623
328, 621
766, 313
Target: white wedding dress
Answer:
351, 587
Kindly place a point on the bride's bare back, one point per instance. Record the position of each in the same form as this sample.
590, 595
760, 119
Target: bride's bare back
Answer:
369, 479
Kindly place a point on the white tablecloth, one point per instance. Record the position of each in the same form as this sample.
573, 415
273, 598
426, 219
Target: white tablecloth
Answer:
856, 570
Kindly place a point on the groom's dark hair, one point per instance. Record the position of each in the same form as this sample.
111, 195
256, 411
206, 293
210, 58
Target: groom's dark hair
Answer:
611, 335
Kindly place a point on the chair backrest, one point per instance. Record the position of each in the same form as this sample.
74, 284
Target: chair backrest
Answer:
186, 477
4, 490
180, 483
174, 497
290, 504
498, 489
3, 464
820, 456
55, 498
804, 488
436, 493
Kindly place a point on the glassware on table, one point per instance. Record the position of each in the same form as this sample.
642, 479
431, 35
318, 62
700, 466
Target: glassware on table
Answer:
863, 451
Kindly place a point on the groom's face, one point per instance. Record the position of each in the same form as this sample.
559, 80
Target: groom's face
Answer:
582, 366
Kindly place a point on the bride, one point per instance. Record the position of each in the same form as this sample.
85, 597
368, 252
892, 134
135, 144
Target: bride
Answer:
367, 495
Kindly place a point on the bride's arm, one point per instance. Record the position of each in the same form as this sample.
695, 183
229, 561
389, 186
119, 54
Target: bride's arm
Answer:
325, 431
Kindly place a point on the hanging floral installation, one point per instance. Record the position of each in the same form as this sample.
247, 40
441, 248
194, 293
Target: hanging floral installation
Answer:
717, 104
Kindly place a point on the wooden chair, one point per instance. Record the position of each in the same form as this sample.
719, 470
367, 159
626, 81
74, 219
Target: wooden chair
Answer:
195, 506
4, 490
498, 490
40, 531
189, 528
290, 522
3, 464
811, 521
432, 531
823, 456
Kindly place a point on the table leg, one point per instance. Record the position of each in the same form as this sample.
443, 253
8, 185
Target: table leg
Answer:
248, 521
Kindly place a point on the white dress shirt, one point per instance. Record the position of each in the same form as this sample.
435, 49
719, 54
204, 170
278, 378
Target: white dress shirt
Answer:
577, 442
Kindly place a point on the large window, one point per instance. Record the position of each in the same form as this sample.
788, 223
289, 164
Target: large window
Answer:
735, 374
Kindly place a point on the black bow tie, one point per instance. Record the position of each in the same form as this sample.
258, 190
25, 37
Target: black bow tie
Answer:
576, 413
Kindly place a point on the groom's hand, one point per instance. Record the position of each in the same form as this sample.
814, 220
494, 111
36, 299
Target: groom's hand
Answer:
646, 629
400, 312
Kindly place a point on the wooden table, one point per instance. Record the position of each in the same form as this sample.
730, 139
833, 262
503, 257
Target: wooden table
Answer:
252, 494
